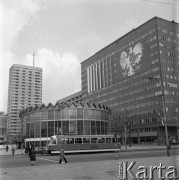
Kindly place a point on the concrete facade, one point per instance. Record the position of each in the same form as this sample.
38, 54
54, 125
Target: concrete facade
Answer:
25, 89
137, 76
3, 125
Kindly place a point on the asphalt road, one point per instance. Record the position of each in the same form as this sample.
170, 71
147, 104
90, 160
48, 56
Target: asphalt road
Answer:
20, 160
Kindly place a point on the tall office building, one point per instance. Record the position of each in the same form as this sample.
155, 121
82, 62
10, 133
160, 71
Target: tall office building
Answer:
138, 77
25, 89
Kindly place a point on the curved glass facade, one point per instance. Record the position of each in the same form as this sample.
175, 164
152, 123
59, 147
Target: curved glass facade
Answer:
39, 124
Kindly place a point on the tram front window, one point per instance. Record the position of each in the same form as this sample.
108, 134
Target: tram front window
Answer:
53, 142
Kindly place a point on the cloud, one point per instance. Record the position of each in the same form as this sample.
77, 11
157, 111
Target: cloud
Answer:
128, 25
6, 60
123, 29
61, 73
92, 43
14, 16
88, 45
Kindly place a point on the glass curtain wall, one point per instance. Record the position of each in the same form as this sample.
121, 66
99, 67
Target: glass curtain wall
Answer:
66, 121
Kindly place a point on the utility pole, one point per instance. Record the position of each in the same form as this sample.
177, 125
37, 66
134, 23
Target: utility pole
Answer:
33, 59
125, 129
58, 109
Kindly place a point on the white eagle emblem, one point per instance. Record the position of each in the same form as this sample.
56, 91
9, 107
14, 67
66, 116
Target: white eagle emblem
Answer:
130, 62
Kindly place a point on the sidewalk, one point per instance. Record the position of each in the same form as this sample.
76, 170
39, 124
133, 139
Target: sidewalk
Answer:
3, 152
123, 148
99, 170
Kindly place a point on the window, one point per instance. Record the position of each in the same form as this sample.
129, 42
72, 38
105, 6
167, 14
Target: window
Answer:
27, 130
65, 113
65, 127
86, 140
73, 127
80, 127
43, 129
87, 127
50, 128
72, 113
44, 115
79, 113
37, 129
93, 127
58, 128
98, 127
32, 130
51, 114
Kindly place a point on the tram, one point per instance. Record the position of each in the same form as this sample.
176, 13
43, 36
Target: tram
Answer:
83, 143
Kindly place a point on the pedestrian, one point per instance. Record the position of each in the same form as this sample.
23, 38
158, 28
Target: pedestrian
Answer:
29, 150
13, 150
22, 148
7, 148
26, 150
32, 156
62, 156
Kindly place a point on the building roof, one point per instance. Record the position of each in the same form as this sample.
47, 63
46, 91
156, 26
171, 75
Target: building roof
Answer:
64, 105
24, 66
70, 97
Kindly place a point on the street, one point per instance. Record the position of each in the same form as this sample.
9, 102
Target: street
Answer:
22, 160
101, 166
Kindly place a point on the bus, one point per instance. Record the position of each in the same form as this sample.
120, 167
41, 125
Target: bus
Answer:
83, 143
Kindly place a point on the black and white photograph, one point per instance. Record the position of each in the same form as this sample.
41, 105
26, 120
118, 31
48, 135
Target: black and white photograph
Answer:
89, 89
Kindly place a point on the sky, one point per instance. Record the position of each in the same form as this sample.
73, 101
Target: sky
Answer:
63, 33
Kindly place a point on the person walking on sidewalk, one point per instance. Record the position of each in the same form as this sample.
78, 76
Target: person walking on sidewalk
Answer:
13, 150
32, 156
62, 156
7, 148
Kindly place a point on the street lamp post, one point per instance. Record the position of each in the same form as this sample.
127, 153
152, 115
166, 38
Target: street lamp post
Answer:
164, 112
58, 110
125, 129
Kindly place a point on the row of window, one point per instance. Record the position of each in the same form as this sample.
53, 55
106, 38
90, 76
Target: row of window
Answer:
168, 31
76, 113
69, 127
105, 72
153, 129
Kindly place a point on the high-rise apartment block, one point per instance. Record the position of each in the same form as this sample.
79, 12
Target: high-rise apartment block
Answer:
3, 125
138, 77
25, 89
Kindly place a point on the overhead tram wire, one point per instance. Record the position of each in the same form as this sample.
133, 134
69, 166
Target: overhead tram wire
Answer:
161, 2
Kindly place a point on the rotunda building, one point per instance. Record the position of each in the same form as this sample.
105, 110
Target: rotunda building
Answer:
83, 120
